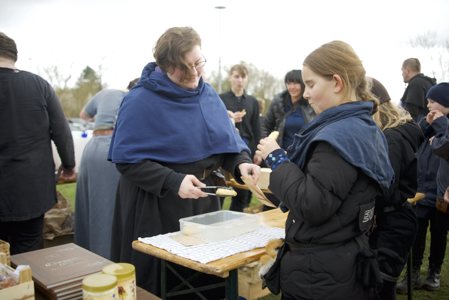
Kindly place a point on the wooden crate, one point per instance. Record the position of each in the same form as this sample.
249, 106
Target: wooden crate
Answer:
24, 290
4, 248
250, 286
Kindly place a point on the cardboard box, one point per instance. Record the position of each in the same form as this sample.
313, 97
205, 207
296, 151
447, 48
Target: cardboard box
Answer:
24, 290
250, 286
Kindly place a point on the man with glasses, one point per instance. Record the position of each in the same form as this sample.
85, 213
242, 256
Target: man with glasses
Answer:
246, 116
414, 98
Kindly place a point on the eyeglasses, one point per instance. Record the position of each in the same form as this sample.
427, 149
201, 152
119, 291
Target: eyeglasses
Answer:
200, 65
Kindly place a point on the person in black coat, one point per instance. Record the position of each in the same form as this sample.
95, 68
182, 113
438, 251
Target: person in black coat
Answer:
396, 221
327, 180
31, 116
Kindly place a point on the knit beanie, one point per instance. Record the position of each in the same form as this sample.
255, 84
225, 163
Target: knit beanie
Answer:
378, 90
439, 93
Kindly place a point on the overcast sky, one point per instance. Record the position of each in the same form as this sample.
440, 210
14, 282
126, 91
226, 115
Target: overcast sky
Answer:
273, 35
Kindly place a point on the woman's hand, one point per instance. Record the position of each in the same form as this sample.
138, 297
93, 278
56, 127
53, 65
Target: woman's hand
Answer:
266, 146
247, 169
431, 140
188, 189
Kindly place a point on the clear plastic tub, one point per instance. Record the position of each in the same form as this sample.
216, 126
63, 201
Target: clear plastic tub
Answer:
219, 225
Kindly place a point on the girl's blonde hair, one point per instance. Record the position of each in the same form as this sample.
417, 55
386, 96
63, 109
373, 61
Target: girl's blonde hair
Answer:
388, 114
339, 58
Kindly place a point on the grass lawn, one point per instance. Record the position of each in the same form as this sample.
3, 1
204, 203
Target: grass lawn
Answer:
68, 190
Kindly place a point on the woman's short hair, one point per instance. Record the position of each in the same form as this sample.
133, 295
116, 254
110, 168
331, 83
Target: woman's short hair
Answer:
171, 47
339, 58
133, 83
295, 76
8, 48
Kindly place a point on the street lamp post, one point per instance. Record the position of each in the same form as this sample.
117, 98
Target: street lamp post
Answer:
219, 51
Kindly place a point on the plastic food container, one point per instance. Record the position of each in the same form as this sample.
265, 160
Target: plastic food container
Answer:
100, 287
219, 225
126, 279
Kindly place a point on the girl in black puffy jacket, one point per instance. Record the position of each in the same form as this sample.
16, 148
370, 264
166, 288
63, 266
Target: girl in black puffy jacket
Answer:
329, 179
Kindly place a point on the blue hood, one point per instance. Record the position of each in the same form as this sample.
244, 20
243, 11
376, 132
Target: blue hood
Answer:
161, 121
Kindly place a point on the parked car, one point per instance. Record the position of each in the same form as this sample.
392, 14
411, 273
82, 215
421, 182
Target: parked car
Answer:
78, 124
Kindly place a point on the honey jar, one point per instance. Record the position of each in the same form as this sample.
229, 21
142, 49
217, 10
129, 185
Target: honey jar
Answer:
126, 279
100, 287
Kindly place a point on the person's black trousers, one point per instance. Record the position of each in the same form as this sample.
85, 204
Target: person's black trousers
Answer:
438, 236
23, 236
241, 201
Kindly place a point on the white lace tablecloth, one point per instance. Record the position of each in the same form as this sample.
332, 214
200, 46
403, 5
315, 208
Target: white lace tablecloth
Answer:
212, 251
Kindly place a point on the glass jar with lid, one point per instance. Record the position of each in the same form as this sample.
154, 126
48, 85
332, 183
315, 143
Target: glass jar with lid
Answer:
100, 287
126, 279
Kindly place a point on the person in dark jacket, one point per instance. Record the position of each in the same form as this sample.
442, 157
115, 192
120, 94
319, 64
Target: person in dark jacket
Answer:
428, 167
414, 98
245, 110
327, 180
396, 221
172, 131
288, 113
31, 116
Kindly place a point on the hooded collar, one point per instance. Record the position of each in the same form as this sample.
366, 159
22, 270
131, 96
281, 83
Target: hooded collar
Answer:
350, 129
158, 120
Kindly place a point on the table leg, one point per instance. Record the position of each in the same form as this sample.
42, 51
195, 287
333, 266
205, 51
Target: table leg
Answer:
163, 280
232, 285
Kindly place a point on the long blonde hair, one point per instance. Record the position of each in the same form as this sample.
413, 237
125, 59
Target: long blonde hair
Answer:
339, 58
388, 114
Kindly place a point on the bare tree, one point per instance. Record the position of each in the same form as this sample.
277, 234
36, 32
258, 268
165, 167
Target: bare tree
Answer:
73, 99
438, 52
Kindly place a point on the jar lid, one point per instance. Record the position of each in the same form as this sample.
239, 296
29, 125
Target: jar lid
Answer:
99, 283
121, 270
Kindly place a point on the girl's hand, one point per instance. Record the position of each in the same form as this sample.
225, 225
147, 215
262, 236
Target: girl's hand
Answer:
266, 146
257, 160
431, 140
247, 169
188, 189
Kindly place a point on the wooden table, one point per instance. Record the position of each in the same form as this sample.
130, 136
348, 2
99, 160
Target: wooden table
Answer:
226, 267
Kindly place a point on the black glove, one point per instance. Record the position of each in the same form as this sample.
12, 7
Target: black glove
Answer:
368, 269
389, 261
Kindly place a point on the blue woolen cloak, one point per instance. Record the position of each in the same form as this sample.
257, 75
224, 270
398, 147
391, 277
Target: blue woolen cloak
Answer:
161, 121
